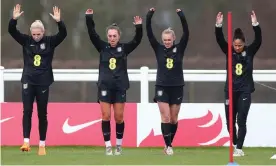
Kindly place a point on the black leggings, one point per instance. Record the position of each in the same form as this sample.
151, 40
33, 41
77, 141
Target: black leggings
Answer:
29, 93
241, 106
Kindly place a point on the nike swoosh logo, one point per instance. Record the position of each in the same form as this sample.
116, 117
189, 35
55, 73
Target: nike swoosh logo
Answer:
71, 129
4, 120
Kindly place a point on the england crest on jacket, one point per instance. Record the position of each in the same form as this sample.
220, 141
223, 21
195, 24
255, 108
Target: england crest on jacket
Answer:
42, 46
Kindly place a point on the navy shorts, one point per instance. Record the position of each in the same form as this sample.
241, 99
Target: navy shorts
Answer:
169, 94
111, 96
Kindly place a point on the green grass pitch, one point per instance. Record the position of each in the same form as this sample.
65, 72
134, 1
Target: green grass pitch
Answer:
80, 155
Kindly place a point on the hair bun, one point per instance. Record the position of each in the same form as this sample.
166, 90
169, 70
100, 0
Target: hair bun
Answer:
238, 34
238, 31
114, 24
38, 21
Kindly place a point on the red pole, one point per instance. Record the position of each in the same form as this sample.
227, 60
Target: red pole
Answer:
230, 85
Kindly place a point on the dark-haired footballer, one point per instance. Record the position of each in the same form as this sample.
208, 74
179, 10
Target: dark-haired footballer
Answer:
243, 84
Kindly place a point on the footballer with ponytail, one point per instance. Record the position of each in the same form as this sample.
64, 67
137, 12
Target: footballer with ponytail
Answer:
243, 84
113, 79
238, 40
170, 81
238, 34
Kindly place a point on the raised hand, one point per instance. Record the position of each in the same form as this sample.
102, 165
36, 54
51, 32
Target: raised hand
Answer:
56, 14
16, 12
152, 9
137, 20
219, 19
178, 10
89, 11
253, 18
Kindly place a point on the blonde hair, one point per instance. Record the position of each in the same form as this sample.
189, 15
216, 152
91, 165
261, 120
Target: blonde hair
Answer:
169, 31
114, 26
37, 24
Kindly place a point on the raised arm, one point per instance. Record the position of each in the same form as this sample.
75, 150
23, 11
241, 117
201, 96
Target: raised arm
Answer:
94, 37
185, 36
219, 34
154, 43
61, 35
130, 46
256, 44
14, 32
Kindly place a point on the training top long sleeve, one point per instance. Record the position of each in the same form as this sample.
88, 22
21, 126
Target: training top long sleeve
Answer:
169, 60
113, 73
37, 56
242, 63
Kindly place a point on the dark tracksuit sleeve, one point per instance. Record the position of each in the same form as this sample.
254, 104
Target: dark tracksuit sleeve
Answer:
94, 37
185, 36
154, 43
221, 40
19, 37
60, 36
254, 47
130, 46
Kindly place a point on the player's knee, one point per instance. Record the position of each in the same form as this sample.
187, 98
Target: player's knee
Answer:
119, 118
174, 119
105, 115
174, 116
241, 123
27, 113
42, 115
165, 118
42, 110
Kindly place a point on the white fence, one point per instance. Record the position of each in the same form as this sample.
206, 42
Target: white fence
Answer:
143, 75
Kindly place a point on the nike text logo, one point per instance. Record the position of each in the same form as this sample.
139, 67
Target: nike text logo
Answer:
4, 120
71, 129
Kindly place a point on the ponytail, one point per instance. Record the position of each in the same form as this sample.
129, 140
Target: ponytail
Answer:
114, 26
238, 34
